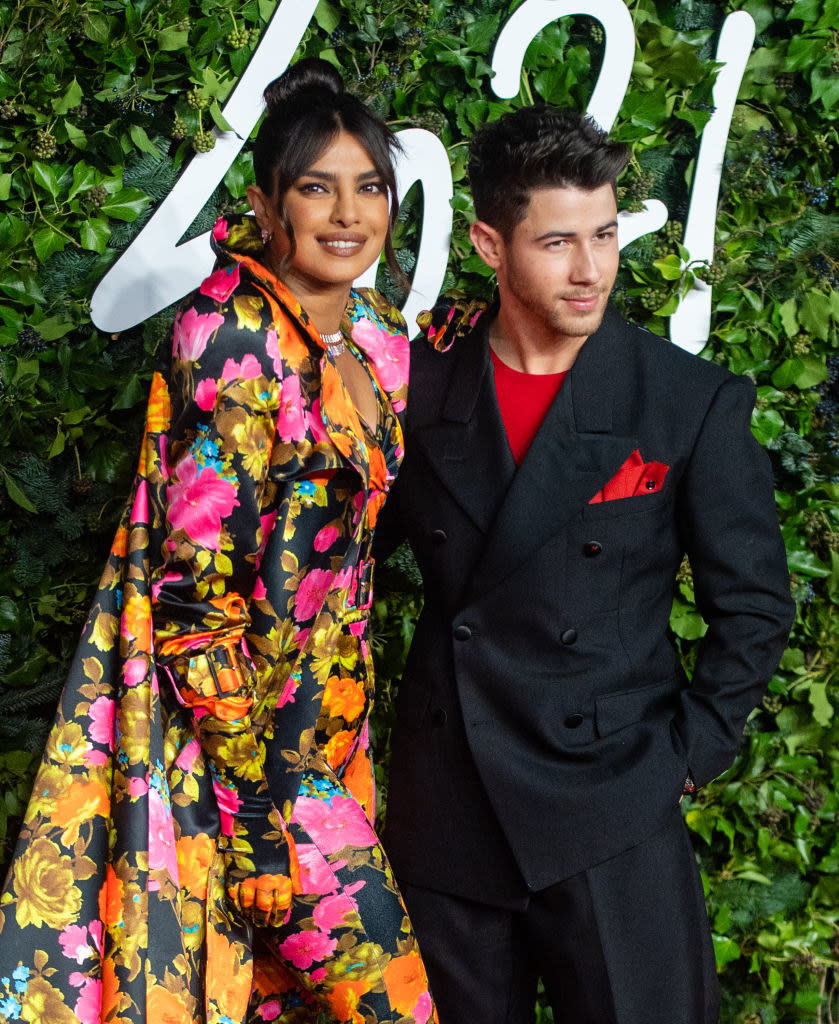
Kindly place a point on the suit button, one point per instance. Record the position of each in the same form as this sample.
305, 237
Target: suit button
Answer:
574, 721
592, 548
568, 636
650, 485
463, 633
438, 718
439, 536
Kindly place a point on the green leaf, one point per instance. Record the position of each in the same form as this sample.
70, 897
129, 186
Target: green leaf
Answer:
725, 950
95, 233
814, 314
807, 10
133, 393
5, 186
46, 176
16, 494
46, 242
141, 140
57, 447
127, 204
266, 9
170, 39
9, 615
97, 27
218, 118
75, 135
670, 267
70, 100
787, 313
55, 327
84, 177
687, 622
825, 85
822, 708
326, 16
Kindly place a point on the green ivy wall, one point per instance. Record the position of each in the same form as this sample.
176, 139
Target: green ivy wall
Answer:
103, 103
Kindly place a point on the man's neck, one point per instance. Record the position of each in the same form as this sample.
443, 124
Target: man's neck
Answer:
532, 347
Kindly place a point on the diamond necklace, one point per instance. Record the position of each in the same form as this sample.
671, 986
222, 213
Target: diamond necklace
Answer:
334, 343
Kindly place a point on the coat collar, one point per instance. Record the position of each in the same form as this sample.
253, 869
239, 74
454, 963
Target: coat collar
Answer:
578, 448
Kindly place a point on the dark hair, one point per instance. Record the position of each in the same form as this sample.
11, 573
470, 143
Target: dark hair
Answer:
306, 108
538, 147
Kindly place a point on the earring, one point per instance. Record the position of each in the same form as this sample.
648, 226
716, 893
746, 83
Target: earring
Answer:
266, 236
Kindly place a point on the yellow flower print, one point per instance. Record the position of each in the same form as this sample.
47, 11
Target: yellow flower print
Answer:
46, 890
252, 444
80, 804
344, 698
159, 407
134, 723
247, 311
42, 1002
67, 745
105, 631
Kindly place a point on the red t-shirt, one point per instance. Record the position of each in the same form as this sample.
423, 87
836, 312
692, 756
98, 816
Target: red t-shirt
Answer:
524, 399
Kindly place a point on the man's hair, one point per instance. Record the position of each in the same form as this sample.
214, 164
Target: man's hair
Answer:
538, 147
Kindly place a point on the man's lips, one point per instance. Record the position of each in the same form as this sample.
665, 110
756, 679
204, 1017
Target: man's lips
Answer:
583, 303
343, 245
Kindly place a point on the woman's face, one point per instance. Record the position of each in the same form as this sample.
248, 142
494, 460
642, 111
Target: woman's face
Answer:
338, 210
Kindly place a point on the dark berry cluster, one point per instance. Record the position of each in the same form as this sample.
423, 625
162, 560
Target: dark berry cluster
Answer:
711, 273
238, 37
96, 197
817, 195
596, 33
673, 231
825, 268
7, 110
179, 128
196, 99
654, 298
45, 144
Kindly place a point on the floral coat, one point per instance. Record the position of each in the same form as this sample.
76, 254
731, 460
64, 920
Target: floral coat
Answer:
215, 713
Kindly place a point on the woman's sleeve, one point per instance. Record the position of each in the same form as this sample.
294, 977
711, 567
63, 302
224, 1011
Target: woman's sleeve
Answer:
214, 499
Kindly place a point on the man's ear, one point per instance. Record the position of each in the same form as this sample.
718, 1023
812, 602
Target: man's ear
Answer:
488, 243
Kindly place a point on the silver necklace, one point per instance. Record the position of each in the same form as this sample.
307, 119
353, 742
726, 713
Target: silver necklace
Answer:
334, 343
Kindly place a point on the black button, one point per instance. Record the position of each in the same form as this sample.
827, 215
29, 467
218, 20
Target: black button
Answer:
568, 636
591, 548
650, 485
438, 718
574, 721
463, 633
439, 536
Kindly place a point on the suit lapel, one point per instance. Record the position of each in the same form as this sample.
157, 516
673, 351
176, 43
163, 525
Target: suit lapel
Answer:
467, 447
575, 452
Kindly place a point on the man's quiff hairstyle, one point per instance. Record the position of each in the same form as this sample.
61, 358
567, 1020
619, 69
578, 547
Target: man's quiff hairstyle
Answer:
538, 147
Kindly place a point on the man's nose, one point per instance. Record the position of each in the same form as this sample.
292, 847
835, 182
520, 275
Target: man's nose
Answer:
584, 267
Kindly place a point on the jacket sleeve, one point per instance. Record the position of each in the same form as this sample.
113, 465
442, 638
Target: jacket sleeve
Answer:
729, 527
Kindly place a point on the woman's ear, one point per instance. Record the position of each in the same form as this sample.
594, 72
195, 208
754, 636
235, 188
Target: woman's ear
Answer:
488, 242
262, 207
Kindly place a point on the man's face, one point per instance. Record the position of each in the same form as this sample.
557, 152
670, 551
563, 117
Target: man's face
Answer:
560, 262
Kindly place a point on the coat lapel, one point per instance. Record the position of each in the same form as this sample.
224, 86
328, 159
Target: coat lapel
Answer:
467, 447
575, 452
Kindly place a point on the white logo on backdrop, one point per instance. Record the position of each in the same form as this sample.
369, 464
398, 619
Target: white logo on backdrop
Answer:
155, 271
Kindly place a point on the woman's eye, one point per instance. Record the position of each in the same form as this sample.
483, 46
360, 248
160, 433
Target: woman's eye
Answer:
311, 186
373, 187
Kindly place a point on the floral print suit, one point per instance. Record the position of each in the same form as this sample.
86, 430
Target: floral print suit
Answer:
198, 848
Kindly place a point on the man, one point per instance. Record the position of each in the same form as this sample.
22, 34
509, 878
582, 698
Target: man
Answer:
560, 464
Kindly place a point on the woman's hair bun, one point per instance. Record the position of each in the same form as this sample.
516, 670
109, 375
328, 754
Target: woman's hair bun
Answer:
311, 74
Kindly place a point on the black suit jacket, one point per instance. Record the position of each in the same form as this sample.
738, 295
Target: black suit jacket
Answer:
544, 723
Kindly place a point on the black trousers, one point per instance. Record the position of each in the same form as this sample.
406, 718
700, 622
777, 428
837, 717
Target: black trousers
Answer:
626, 942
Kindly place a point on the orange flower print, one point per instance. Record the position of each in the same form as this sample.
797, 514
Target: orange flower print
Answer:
136, 622
82, 802
344, 698
358, 778
344, 999
194, 856
164, 1007
338, 747
110, 899
229, 975
405, 981
378, 469
159, 407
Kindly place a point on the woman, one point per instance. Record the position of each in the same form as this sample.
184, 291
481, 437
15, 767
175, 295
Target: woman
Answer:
197, 847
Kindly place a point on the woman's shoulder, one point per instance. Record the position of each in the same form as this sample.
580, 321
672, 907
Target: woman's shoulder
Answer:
369, 304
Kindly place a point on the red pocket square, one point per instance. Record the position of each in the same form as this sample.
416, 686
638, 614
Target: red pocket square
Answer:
634, 477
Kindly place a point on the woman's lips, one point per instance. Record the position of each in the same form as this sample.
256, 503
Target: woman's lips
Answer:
343, 245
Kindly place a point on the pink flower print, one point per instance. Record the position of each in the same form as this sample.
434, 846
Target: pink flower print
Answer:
88, 1006
220, 229
74, 943
248, 369
198, 501
325, 538
332, 911
314, 421
101, 714
186, 758
134, 670
287, 696
95, 758
422, 1009
140, 508
316, 876
205, 394
228, 805
259, 591
221, 284
272, 350
317, 975
291, 421
192, 332
270, 1011
303, 948
389, 353
137, 787
162, 849
334, 824
311, 593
